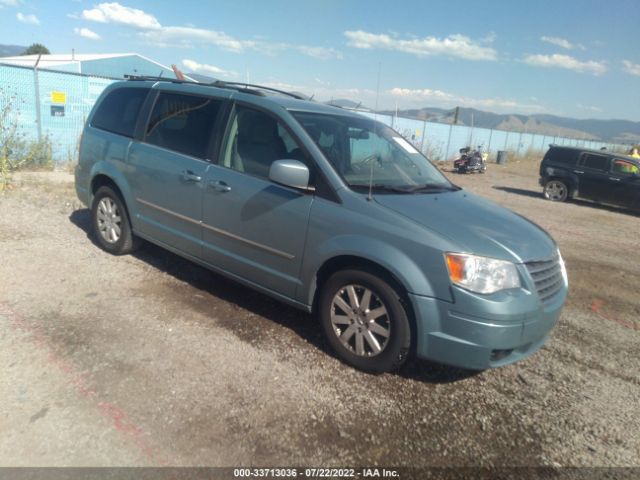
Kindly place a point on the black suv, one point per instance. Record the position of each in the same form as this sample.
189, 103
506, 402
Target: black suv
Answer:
598, 175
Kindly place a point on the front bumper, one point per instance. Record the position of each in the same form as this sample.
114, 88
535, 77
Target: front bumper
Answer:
479, 332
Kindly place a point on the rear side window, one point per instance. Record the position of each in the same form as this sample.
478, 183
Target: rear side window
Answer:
183, 123
562, 156
119, 110
595, 162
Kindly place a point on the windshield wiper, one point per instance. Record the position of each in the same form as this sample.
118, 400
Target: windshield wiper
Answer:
380, 187
432, 187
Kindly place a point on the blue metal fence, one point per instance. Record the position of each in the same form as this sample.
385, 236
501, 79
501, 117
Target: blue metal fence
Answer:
47, 103
56, 104
441, 141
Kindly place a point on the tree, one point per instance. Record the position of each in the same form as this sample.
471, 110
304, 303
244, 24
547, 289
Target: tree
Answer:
35, 49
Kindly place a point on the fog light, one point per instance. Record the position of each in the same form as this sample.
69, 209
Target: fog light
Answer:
497, 355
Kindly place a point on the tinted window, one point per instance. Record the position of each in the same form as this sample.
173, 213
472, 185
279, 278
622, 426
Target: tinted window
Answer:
256, 140
183, 123
596, 162
119, 110
562, 155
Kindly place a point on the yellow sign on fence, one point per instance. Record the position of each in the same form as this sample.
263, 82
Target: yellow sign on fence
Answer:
59, 97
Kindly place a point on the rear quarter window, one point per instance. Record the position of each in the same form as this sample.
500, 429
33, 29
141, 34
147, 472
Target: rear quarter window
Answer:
119, 110
595, 162
562, 156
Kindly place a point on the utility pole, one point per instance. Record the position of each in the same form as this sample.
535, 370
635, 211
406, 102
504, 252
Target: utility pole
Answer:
37, 88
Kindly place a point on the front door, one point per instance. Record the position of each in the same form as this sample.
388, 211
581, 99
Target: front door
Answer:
253, 227
169, 167
624, 183
592, 171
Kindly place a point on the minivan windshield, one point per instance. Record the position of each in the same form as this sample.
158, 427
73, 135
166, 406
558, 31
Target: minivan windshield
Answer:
365, 152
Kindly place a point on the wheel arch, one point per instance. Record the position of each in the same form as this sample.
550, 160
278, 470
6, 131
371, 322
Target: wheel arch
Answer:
105, 174
570, 181
350, 261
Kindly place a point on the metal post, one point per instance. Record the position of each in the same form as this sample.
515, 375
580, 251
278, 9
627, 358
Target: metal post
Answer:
424, 128
490, 136
37, 88
506, 140
446, 153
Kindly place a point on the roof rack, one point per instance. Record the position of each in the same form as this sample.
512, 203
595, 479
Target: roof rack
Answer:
255, 89
238, 86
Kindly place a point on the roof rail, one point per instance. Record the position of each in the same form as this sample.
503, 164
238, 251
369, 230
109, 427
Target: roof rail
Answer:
157, 78
252, 88
238, 86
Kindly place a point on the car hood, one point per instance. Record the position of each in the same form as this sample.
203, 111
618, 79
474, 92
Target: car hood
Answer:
476, 225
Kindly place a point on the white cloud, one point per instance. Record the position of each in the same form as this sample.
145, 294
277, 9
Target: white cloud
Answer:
590, 108
632, 68
567, 62
321, 53
203, 68
86, 33
9, 3
419, 96
116, 13
562, 43
454, 45
30, 19
559, 42
186, 36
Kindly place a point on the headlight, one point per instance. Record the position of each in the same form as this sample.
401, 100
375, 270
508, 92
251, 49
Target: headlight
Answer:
563, 269
481, 274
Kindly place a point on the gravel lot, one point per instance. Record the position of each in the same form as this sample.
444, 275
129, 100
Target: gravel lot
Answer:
151, 360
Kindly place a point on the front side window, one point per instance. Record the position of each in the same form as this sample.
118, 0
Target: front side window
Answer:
623, 167
256, 140
118, 112
595, 162
367, 153
183, 123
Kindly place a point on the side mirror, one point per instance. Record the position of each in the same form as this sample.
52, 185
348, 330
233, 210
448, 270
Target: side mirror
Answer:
291, 173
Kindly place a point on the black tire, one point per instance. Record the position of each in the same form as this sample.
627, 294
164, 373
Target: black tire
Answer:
556, 190
125, 242
394, 348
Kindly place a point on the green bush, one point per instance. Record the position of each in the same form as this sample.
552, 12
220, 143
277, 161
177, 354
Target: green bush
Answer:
17, 152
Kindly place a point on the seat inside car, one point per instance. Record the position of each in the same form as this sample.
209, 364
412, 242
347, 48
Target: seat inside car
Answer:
259, 144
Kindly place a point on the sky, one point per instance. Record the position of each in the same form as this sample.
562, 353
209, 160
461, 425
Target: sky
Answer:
577, 58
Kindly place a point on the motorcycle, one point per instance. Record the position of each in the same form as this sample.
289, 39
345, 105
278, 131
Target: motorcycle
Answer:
471, 161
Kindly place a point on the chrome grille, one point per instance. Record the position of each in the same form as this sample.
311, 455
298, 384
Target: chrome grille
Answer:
547, 276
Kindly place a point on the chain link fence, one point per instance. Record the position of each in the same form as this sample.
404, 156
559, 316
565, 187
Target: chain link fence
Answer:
53, 104
49, 104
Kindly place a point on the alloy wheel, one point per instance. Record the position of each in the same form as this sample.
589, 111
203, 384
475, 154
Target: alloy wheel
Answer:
109, 220
360, 320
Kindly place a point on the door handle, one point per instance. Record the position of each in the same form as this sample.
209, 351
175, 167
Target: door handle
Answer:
220, 186
189, 176
578, 171
614, 179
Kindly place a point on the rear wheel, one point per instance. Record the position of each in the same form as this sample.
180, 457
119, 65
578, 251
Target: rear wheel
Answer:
556, 190
111, 224
364, 321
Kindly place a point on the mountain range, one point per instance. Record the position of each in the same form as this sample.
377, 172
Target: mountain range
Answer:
615, 131
11, 50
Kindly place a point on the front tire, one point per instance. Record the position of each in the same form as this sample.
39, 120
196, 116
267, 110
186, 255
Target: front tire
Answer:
556, 190
364, 321
111, 225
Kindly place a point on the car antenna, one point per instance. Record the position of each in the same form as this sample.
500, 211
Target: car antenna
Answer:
375, 132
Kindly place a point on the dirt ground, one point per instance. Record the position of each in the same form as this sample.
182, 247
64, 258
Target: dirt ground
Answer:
151, 360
